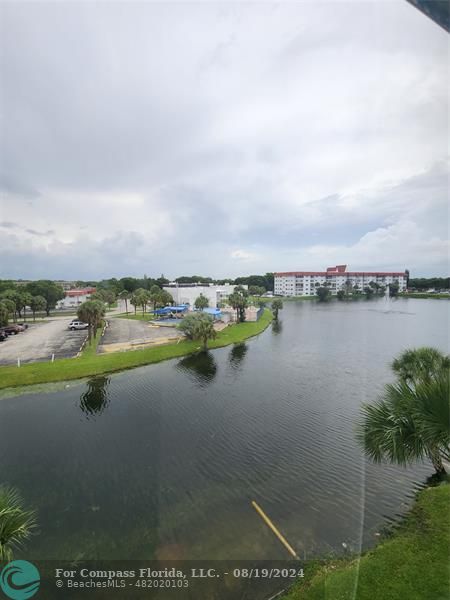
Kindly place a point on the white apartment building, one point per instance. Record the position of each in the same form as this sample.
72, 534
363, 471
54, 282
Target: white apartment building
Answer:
188, 293
305, 283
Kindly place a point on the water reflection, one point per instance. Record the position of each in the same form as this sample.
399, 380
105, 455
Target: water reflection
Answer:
236, 356
277, 326
95, 398
201, 366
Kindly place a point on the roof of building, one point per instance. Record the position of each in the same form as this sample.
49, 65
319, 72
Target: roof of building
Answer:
337, 269
81, 292
341, 273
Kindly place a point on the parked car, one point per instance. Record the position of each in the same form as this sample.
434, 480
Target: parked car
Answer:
13, 329
73, 325
3, 335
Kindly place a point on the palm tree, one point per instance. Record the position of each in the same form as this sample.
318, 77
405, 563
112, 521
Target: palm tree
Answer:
108, 296
84, 313
98, 314
421, 364
165, 298
25, 300
198, 326
239, 301
411, 421
4, 314
277, 305
16, 523
323, 293
134, 300
201, 302
155, 295
143, 298
10, 307
13, 297
348, 287
125, 295
91, 312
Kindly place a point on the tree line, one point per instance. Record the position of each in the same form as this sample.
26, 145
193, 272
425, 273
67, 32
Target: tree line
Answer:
426, 283
131, 284
354, 292
141, 298
39, 296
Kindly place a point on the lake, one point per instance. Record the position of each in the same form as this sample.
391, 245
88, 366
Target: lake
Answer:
164, 461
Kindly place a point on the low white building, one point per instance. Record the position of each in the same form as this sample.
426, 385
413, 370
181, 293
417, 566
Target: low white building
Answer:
188, 293
73, 298
305, 283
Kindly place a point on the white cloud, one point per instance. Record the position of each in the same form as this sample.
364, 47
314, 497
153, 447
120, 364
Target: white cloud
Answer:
242, 255
393, 247
217, 139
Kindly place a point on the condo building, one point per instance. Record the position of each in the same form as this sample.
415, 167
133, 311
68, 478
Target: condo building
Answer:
305, 283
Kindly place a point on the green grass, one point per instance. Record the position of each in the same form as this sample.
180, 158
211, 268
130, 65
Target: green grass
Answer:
425, 295
412, 564
290, 298
137, 317
151, 317
91, 363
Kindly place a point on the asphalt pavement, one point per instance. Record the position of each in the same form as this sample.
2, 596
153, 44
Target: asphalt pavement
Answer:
41, 340
124, 333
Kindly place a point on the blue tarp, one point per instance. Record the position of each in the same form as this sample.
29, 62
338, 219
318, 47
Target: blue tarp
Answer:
215, 312
170, 309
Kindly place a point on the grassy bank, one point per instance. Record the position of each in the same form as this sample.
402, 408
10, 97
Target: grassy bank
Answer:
290, 298
425, 295
90, 363
413, 563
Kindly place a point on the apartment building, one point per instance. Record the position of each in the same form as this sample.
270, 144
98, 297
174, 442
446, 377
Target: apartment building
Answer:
305, 283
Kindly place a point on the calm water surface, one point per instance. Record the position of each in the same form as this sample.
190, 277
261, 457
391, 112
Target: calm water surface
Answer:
163, 461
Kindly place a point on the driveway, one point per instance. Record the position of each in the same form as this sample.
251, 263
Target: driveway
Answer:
126, 334
40, 341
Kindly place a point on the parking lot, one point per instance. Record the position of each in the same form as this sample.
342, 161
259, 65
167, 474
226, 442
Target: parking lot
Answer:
126, 334
41, 340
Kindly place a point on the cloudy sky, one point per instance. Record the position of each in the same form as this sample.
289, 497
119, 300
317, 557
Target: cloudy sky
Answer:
221, 139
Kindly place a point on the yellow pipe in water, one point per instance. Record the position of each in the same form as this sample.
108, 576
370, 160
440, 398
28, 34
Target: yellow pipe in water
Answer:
268, 522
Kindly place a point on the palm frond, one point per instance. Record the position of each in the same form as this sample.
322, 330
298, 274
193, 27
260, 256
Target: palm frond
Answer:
16, 523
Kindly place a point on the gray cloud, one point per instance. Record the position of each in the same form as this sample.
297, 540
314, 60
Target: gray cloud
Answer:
8, 225
150, 137
40, 233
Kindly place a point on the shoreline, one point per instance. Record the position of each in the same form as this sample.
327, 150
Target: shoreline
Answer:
411, 561
90, 363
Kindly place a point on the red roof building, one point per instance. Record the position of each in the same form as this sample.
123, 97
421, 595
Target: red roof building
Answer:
81, 292
305, 283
